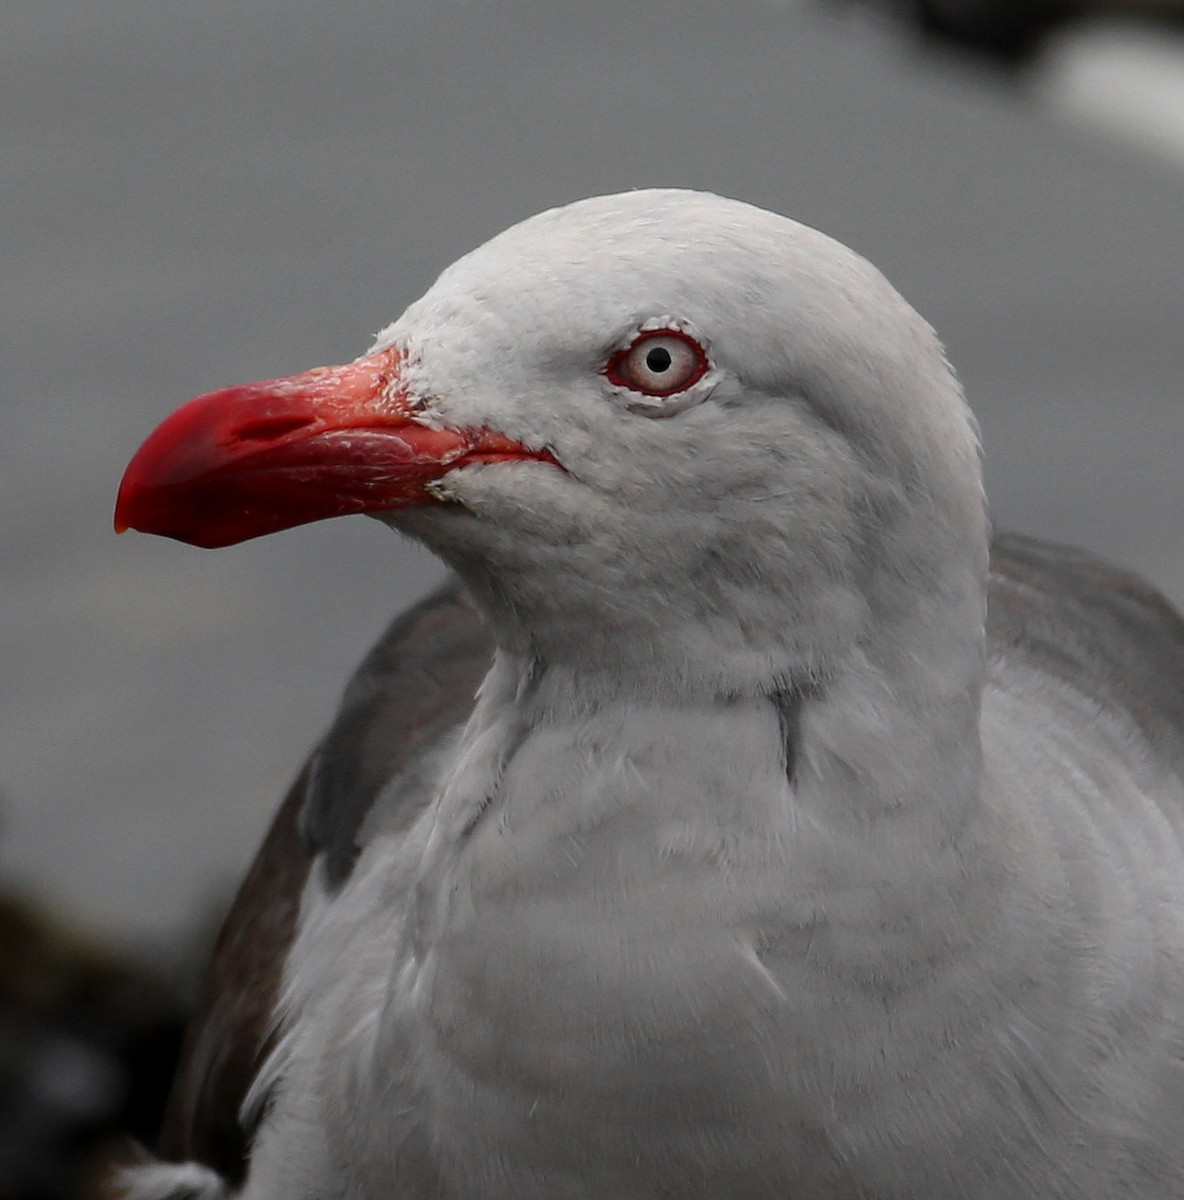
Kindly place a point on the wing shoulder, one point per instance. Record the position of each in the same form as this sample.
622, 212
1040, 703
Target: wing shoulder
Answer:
414, 687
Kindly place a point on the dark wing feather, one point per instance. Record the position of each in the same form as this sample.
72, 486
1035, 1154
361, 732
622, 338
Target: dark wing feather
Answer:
229, 1032
416, 685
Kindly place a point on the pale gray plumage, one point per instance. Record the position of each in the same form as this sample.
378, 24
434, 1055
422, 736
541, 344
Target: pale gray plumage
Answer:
759, 869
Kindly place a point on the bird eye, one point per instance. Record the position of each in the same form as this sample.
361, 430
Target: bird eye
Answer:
659, 363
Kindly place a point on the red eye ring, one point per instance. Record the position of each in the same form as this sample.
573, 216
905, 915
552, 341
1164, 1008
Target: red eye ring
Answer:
658, 362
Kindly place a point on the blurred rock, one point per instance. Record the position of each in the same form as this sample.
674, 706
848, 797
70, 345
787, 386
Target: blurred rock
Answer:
1008, 31
88, 1041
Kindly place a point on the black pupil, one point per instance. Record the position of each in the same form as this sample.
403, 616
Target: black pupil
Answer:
658, 359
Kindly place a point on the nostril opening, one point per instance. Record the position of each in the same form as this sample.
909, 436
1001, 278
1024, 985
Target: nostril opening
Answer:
271, 429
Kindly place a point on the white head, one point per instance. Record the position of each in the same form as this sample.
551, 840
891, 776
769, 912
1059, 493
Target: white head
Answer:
749, 526
808, 490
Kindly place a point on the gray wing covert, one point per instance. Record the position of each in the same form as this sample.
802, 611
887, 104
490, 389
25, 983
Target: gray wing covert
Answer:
416, 685
1100, 629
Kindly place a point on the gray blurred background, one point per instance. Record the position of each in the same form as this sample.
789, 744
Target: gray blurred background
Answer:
202, 193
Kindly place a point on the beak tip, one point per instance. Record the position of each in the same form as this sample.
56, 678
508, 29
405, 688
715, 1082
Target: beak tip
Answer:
122, 519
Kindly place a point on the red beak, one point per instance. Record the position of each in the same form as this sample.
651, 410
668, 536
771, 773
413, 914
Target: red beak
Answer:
246, 461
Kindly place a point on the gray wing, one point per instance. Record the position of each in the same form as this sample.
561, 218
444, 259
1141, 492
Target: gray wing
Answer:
1103, 631
415, 686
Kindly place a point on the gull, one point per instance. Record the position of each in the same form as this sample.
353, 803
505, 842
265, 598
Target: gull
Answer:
741, 823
